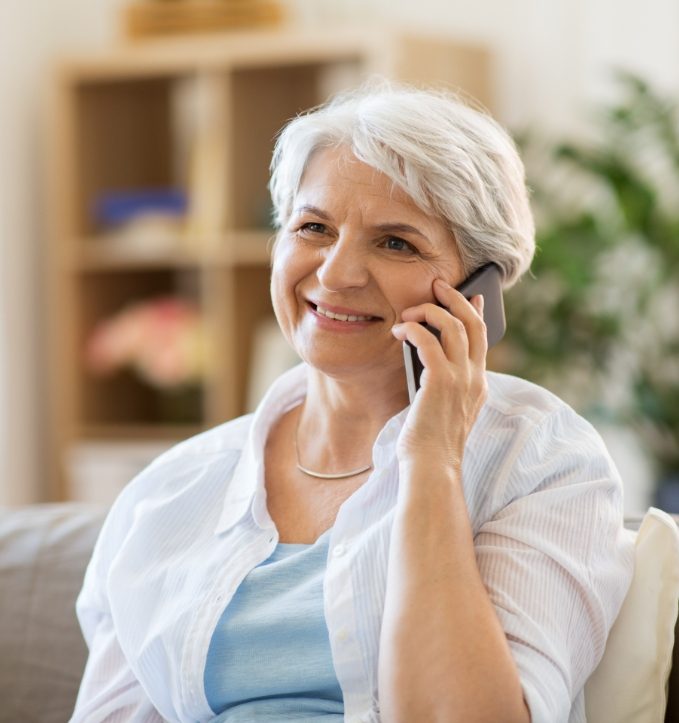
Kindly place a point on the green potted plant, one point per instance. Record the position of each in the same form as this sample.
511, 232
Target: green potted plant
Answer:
599, 320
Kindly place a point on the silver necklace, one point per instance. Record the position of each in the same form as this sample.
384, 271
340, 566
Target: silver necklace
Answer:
323, 475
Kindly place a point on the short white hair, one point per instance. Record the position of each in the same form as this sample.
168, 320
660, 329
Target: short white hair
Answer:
452, 160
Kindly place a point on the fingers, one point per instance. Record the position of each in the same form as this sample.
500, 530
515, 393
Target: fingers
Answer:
430, 351
463, 331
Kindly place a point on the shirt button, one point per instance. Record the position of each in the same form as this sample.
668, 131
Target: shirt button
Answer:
339, 550
342, 635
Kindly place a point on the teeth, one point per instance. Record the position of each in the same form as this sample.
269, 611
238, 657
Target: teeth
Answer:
341, 317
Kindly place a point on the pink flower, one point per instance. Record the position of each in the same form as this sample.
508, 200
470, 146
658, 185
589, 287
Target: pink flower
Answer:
162, 340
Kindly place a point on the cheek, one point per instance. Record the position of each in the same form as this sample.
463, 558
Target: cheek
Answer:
416, 287
285, 276
282, 309
278, 293
411, 290
285, 259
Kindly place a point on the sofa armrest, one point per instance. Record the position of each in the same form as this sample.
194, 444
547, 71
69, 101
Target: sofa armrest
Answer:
672, 710
44, 550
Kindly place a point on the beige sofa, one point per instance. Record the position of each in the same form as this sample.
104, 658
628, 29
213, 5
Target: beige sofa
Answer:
44, 550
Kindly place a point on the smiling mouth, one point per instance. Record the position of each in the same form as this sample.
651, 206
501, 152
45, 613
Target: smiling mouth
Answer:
341, 317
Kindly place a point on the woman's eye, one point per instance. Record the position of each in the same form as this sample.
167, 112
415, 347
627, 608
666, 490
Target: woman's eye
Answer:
313, 227
394, 243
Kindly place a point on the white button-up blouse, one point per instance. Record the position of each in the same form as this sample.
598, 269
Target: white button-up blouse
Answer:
545, 503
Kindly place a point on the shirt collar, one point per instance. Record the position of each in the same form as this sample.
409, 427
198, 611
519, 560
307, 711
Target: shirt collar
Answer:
248, 477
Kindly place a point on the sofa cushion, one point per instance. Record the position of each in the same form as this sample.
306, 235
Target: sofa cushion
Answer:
44, 550
629, 684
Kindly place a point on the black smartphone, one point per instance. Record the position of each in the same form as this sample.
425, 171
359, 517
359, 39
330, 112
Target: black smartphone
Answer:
486, 281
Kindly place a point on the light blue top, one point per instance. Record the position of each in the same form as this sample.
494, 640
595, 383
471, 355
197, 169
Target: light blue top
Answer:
269, 658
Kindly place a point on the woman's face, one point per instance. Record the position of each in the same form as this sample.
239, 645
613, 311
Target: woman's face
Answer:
358, 247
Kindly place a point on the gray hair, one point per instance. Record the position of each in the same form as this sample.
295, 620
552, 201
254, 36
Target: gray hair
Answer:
452, 160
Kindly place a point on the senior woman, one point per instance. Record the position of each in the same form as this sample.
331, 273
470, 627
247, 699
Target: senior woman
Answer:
341, 553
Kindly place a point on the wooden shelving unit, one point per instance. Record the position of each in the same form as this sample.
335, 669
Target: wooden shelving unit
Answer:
119, 121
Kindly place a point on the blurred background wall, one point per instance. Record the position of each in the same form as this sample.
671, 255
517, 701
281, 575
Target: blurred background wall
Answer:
552, 59
31, 35
552, 56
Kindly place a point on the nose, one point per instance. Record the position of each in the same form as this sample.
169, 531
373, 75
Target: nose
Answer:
343, 266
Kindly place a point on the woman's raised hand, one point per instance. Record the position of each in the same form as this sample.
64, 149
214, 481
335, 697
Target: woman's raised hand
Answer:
453, 383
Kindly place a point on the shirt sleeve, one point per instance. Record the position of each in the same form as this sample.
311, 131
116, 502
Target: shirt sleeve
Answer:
109, 691
555, 560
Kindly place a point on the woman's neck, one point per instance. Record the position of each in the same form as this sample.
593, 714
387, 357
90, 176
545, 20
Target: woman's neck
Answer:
339, 420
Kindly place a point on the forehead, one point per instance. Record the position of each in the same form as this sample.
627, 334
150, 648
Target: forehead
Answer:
336, 175
346, 190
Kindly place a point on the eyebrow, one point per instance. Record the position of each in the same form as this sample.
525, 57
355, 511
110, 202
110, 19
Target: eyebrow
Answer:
383, 227
312, 209
400, 228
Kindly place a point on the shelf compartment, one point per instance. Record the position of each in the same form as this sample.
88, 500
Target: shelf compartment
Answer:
124, 140
123, 398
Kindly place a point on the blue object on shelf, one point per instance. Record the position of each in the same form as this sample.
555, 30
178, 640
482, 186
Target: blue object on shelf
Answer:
114, 208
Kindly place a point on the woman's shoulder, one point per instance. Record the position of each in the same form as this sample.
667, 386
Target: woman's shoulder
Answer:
184, 473
530, 440
183, 488
514, 396
531, 414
